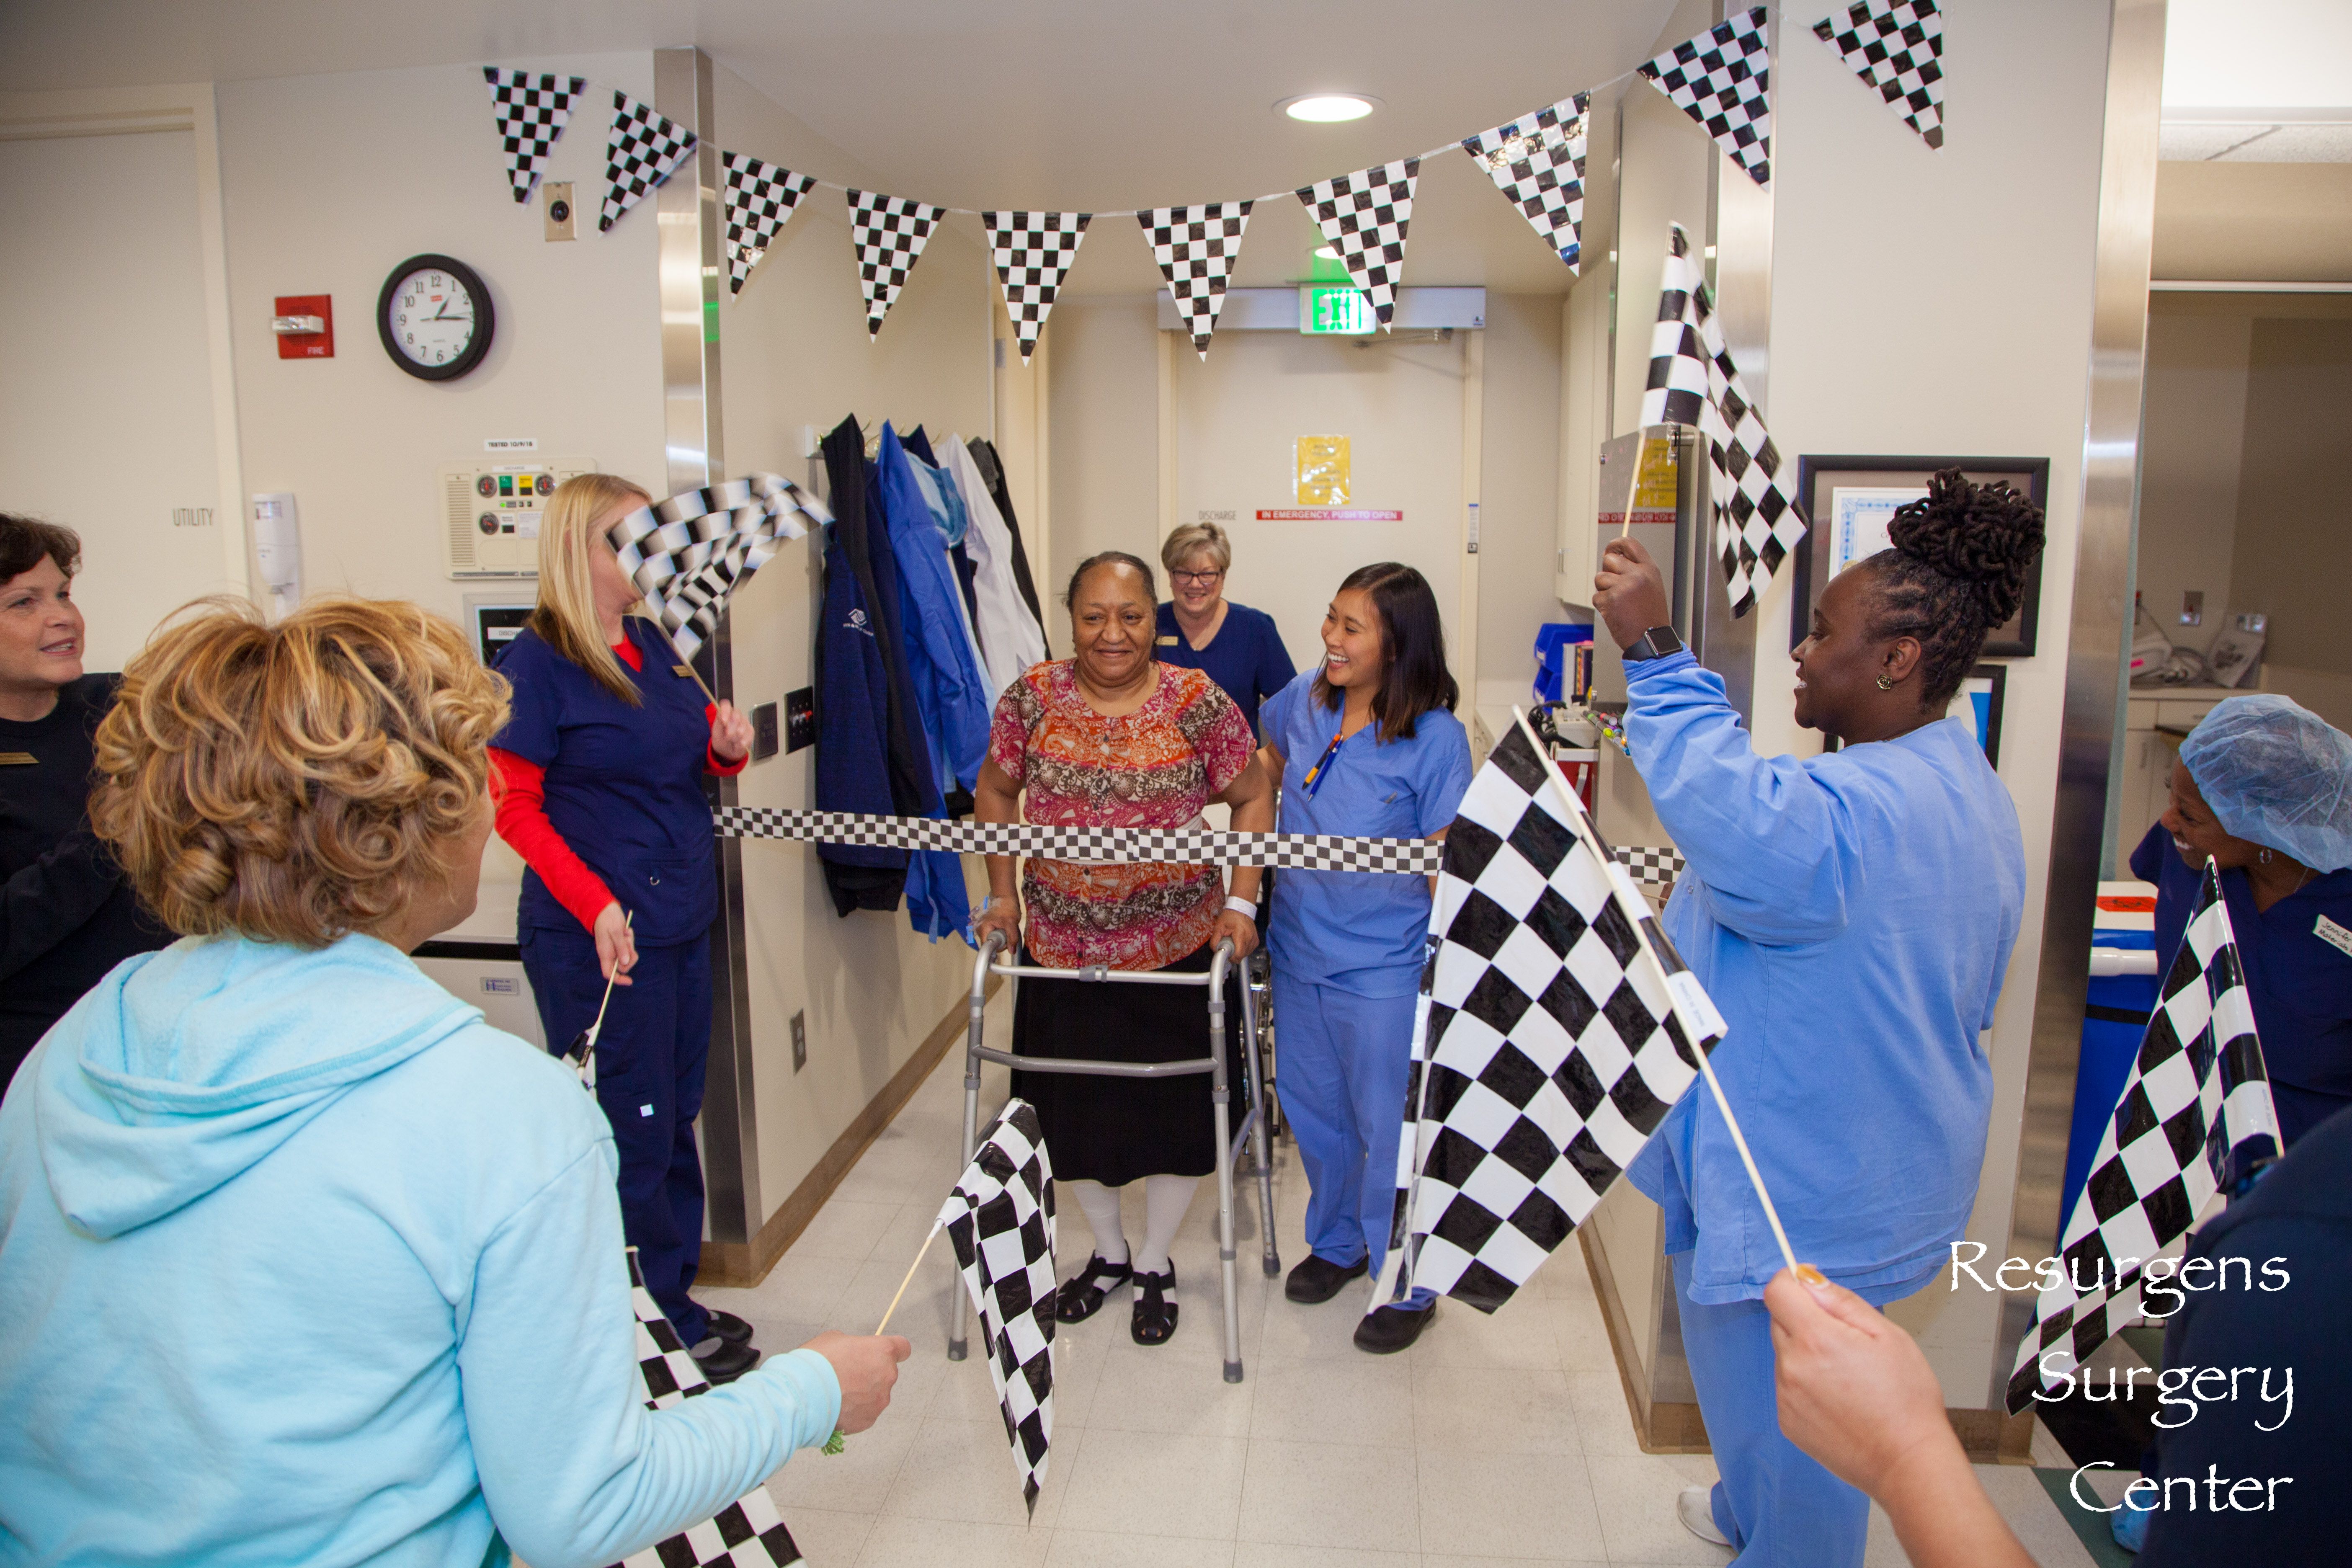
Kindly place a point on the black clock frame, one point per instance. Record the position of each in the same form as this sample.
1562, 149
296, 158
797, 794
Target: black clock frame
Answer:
485, 318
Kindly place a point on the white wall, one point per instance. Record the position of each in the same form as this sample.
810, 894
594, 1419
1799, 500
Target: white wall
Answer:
1104, 411
1520, 511
2191, 438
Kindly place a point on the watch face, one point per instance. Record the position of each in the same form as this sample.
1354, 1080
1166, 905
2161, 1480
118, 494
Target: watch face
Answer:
435, 317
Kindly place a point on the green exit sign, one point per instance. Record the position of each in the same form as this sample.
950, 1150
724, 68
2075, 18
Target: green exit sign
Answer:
1336, 308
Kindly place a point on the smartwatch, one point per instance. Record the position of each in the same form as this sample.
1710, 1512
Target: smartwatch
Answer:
1655, 643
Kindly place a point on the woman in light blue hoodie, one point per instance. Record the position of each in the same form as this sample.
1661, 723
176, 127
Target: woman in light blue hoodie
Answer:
300, 1260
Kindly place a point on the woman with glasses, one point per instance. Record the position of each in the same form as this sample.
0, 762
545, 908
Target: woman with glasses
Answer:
1232, 644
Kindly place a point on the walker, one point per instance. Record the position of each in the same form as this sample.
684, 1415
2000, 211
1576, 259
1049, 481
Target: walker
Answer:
1253, 1131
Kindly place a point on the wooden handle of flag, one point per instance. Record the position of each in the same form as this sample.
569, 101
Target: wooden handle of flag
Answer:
629, 921
909, 1280
1633, 487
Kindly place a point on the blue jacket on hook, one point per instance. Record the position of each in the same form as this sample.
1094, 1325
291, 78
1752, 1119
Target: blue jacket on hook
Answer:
950, 691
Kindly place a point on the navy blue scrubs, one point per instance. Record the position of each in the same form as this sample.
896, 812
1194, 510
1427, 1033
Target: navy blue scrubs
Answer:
625, 790
1246, 659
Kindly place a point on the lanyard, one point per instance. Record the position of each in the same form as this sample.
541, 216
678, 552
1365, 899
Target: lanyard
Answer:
1314, 779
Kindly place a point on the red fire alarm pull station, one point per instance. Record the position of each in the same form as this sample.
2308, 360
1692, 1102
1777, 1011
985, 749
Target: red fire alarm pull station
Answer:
305, 325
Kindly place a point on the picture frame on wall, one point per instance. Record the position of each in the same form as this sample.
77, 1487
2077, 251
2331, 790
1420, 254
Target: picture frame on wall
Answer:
1849, 499
1978, 705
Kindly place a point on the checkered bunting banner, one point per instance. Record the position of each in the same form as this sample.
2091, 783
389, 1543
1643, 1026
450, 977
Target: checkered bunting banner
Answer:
2198, 1095
890, 233
1032, 253
532, 111
641, 151
1552, 1034
689, 553
746, 1533
1365, 215
1694, 381
1722, 78
1538, 160
1195, 249
1897, 47
760, 200
999, 1219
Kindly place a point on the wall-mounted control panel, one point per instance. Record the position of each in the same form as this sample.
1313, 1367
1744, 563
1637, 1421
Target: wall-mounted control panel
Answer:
491, 513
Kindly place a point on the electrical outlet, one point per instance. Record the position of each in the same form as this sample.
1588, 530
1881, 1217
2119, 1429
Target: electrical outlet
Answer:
800, 718
764, 732
2192, 607
800, 1040
560, 213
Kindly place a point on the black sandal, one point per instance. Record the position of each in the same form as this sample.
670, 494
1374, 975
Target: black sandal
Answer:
1081, 1296
1155, 1307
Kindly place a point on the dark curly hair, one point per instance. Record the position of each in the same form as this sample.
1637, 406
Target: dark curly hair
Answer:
1956, 570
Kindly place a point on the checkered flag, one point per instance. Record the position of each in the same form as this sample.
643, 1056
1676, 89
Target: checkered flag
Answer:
746, 1533
890, 233
999, 1219
1553, 1033
1722, 78
760, 200
1195, 248
689, 553
1365, 215
1032, 253
1538, 160
532, 112
1694, 381
1897, 47
2197, 1096
641, 151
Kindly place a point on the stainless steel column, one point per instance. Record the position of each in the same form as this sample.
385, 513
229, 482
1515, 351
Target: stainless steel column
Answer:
687, 209
2095, 646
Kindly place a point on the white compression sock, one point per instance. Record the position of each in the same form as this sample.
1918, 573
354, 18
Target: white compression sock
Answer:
1101, 1206
1165, 1199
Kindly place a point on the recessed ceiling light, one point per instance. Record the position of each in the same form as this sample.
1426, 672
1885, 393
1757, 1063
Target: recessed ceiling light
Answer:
1328, 253
1326, 108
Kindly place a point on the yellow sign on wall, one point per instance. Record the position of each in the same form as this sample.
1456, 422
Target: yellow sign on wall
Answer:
1322, 469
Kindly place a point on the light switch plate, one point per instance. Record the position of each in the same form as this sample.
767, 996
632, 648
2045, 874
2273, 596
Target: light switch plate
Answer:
764, 732
800, 718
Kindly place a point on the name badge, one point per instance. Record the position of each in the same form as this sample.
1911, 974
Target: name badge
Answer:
1164, 642
684, 672
2334, 935
18, 760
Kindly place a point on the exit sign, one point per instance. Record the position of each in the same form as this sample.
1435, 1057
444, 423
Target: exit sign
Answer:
1339, 309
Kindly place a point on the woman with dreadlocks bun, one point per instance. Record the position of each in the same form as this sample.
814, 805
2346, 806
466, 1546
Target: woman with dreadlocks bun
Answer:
1852, 915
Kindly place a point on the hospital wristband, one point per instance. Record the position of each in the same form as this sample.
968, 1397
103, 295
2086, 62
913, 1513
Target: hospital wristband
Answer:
1244, 906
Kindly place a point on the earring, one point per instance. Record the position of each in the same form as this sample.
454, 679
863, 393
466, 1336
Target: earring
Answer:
1885, 683
2266, 856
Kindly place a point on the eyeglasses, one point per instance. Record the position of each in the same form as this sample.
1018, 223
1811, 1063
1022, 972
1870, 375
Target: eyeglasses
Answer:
1197, 579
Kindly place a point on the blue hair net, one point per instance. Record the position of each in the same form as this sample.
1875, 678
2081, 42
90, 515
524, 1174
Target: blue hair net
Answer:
2278, 774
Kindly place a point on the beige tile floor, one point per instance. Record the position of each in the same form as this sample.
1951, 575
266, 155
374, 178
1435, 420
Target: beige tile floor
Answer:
1494, 1439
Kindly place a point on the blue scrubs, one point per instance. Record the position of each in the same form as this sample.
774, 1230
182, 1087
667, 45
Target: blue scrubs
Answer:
1852, 916
2300, 981
1348, 949
625, 790
1246, 659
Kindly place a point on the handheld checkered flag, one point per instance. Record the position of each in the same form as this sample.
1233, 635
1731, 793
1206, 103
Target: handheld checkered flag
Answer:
999, 1219
747, 1532
760, 200
689, 553
1365, 215
1555, 1029
1032, 253
1897, 47
532, 111
642, 149
2198, 1095
1722, 78
889, 234
1694, 381
1538, 160
1195, 249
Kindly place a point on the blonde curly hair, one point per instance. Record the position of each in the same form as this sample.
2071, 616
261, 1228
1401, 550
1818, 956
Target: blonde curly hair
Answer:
297, 782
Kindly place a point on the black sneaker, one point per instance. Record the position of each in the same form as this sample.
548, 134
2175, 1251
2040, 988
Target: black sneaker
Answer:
723, 1363
1318, 1279
728, 1327
1388, 1330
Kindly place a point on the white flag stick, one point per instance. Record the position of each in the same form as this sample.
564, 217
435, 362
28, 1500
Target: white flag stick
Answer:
1690, 1030
909, 1280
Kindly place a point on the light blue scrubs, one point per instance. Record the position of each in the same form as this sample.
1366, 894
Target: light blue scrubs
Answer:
1852, 915
1346, 949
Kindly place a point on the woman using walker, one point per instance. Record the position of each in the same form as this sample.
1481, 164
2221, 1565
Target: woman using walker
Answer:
1367, 746
600, 773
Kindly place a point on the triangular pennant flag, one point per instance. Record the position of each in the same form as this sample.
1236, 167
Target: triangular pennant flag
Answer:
1722, 78
1694, 381
1364, 216
890, 233
640, 152
759, 201
999, 1219
1538, 160
2198, 1099
532, 112
1195, 248
1033, 252
688, 555
1897, 47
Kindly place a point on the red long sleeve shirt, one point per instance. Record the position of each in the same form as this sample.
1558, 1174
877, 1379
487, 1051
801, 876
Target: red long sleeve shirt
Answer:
520, 789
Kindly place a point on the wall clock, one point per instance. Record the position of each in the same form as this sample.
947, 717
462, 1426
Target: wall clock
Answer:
435, 317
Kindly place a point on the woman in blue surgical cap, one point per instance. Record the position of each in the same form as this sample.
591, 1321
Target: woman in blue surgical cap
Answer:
2263, 790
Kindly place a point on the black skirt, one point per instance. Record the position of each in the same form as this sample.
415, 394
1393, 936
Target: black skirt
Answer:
1117, 1130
